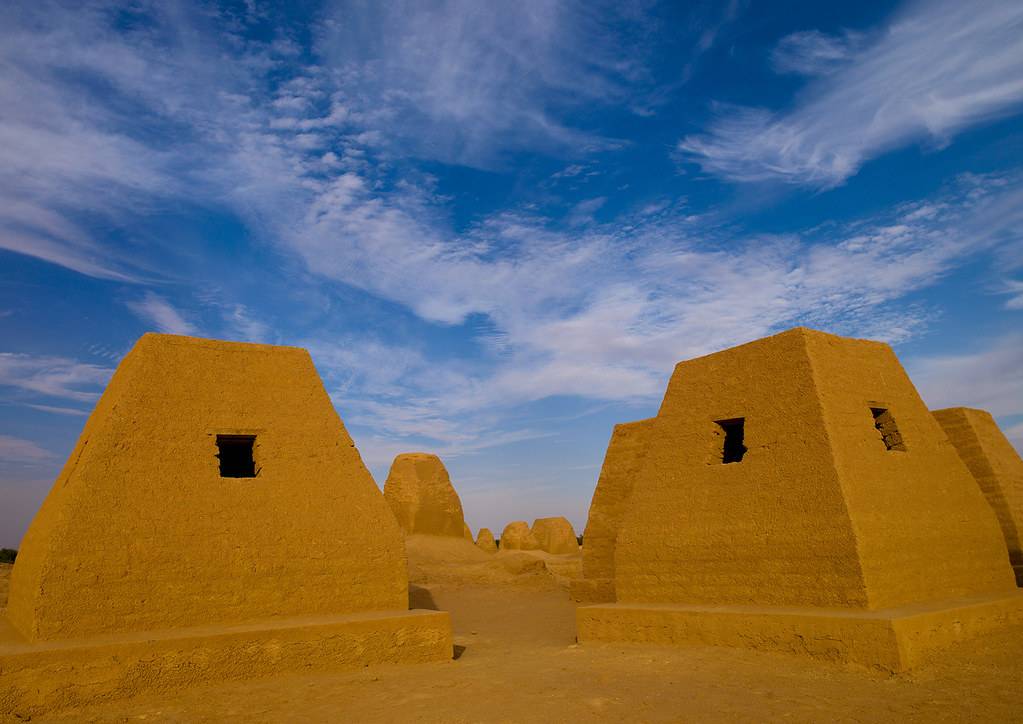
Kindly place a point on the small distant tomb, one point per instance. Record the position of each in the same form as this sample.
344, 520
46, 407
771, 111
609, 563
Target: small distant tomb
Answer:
555, 535
485, 541
419, 491
517, 536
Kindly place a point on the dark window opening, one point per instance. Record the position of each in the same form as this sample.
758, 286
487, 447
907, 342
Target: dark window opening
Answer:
235, 456
885, 425
732, 448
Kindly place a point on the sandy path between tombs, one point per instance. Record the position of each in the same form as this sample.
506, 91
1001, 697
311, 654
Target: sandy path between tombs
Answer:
518, 662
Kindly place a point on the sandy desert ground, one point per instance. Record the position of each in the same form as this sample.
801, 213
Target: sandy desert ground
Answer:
517, 661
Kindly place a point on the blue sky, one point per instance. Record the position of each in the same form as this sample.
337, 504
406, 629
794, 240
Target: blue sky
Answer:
497, 226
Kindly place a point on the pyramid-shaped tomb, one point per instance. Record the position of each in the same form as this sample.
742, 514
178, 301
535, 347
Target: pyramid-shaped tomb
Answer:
213, 484
799, 473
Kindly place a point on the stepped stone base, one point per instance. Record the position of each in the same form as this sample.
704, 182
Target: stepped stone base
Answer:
47, 676
892, 639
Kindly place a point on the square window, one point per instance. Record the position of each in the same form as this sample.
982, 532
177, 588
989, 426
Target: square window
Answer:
732, 433
885, 425
235, 454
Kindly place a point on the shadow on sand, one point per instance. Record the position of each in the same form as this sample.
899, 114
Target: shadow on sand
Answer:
419, 597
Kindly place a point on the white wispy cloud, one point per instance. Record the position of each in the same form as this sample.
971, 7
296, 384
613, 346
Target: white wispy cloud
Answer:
466, 82
62, 160
17, 450
378, 451
107, 112
1015, 435
811, 52
68, 159
157, 311
990, 378
1014, 289
605, 313
53, 376
938, 68
57, 410
600, 311
27, 228
246, 327
711, 26
583, 212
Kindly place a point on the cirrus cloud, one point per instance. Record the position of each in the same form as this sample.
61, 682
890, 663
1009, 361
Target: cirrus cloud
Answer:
938, 68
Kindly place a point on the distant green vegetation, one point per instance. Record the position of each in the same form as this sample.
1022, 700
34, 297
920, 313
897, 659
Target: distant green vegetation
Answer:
7, 555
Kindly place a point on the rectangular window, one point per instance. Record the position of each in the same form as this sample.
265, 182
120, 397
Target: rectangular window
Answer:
235, 454
885, 425
732, 434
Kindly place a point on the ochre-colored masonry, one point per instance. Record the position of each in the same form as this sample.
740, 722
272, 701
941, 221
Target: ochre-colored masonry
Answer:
140, 531
156, 563
997, 468
845, 496
419, 491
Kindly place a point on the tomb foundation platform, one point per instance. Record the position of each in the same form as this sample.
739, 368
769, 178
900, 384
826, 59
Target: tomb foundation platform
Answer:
48, 676
593, 590
894, 639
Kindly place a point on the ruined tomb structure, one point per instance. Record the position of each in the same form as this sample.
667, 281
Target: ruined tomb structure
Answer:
485, 541
797, 494
421, 496
555, 535
518, 536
